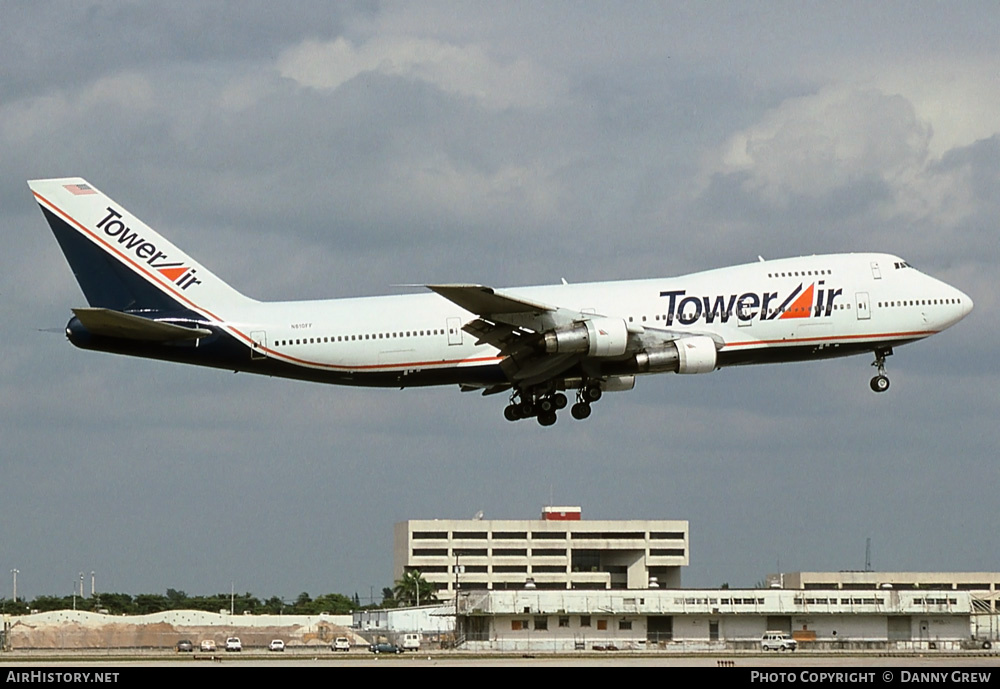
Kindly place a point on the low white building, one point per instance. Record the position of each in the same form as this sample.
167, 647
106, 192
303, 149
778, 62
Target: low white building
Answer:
713, 619
427, 619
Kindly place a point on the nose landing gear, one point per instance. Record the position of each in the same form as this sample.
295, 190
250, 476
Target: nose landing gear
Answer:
880, 383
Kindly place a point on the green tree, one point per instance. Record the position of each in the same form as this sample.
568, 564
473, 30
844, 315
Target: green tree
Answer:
49, 603
147, 603
178, 599
333, 603
389, 598
413, 589
117, 603
10, 606
273, 606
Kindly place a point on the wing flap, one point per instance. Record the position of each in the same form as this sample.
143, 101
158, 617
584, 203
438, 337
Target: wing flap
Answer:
126, 326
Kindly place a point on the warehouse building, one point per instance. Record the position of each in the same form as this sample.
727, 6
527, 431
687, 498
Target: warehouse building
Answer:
713, 619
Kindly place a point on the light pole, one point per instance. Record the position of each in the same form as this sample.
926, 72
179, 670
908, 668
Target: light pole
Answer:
92, 580
81, 584
458, 570
15, 572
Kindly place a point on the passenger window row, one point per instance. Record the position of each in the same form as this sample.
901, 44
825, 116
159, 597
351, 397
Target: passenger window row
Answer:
364, 336
918, 302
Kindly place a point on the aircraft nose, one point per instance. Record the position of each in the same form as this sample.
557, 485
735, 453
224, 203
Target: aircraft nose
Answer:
966, 303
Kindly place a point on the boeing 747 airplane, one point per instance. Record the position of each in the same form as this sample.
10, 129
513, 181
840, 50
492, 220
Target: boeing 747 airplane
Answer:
148, 298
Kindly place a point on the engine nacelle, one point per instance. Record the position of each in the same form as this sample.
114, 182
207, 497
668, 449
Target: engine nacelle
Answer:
597, 337
696, 354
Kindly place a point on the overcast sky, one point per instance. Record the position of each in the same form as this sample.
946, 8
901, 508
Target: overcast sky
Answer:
315, 149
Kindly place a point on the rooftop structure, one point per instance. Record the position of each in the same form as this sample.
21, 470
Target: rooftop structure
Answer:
984, 586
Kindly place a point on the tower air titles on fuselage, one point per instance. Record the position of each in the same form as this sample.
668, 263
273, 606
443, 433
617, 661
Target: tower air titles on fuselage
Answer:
750, 305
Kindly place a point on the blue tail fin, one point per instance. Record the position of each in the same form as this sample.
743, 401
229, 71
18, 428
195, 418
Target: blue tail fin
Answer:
119, 261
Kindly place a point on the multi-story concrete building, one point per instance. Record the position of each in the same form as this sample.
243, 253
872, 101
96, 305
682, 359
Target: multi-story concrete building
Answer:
558, 551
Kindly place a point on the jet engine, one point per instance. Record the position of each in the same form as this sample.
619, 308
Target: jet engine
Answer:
696, 354
597, 337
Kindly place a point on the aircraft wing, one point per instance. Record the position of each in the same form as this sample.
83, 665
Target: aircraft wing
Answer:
514, 325
519, 328
110, 323
497, 307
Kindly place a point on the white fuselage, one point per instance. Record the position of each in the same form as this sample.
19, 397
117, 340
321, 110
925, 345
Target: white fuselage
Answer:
857, 302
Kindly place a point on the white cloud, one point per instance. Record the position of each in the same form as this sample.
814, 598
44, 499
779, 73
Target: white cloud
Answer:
466, 70
814, 145
956, 95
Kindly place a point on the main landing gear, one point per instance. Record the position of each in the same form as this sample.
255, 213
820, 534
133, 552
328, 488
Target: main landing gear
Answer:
880, 383
544, 405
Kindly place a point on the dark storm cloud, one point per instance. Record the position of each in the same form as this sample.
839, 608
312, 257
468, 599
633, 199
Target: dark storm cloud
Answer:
57, 45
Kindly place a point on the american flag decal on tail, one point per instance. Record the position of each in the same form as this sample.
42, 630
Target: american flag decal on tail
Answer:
79, 189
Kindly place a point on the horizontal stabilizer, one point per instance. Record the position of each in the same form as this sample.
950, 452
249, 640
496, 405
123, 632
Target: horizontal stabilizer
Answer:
108, 323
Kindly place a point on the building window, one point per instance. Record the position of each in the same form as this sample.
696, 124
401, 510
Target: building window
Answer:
668, 535
518, 625
584, 620
602, 625
509, 552
624, 625
564, 620
518, 535
541, 623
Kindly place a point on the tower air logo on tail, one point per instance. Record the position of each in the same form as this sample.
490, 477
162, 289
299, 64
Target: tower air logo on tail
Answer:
174, 271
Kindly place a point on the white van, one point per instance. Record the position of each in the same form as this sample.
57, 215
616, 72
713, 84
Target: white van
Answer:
777, 641
410, 642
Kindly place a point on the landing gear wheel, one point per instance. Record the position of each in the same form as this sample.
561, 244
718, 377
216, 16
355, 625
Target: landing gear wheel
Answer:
560, 400
545, 405
547, 418
592, 393
526, 409
510, 413
580, 411
880, 384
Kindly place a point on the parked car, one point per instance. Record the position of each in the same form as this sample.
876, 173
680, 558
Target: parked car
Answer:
233, 644
777, 641
276, 645
385, 648
185, 646
341, 643
208, 646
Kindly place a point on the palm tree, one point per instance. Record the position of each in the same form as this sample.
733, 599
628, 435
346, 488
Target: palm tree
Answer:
413, 589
